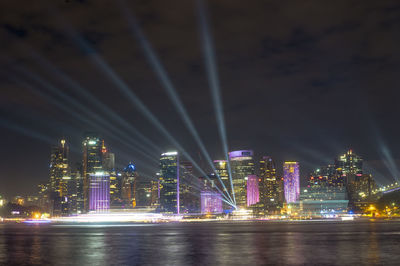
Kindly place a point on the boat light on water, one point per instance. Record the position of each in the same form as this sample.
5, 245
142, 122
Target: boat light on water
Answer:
112, 217
37, 221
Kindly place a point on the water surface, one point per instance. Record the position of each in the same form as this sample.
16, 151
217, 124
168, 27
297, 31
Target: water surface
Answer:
206, 243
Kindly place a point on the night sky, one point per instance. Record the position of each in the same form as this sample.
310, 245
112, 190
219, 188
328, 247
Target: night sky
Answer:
300, 80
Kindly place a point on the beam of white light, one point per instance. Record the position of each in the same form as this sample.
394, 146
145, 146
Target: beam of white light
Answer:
378, 177
211, 67
78, 88
189, 183
387, 160
78, 116
125, 89
25, 131
170, 88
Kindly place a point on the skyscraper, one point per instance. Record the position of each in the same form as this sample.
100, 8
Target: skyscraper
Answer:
221, 167
291, 179
143, 191
211, 202
242, 165
97, 162
349, 164
59, 178
349, 167
269, 185
189, 198
253, 193
169, 194
99, 192
128, 186
78, 181
59, 167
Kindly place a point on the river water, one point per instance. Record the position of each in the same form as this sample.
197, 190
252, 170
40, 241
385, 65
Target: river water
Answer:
205, 243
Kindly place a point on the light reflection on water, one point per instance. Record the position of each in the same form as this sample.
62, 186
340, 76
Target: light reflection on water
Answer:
213, 243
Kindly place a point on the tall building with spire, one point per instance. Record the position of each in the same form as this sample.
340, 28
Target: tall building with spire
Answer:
59, 178
59, 167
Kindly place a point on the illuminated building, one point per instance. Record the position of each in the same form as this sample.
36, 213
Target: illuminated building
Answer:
59, 167
326, 176
128, 182
269, 185
253, 194
360, 192
291, 179
345, 173
242, 165
92, 163
60, 179
322, 201
349, 164
99, 192
189, 198
155, 195
115, 189
2, 201
44, 198
221, 167
211, 202
79, 200
169, 174
142, 192
19, 200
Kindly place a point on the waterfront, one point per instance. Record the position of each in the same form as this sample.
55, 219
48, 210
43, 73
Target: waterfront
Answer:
204, 243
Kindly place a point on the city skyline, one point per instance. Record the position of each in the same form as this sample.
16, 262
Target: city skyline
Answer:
88, 186
48, 74
199, 132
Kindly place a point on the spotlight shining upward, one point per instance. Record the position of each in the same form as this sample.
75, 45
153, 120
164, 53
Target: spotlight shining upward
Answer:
213, 80
170, 89
125, 90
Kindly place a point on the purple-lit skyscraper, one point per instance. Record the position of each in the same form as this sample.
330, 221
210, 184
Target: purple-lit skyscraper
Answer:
253, 193
211, 202
291, 179
242, 165
99, 192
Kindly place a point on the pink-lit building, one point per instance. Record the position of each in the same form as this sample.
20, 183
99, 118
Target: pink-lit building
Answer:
253, 193
211, 202
291, 181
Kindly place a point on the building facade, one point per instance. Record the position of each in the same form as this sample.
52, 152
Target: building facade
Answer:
253, 193
92, 163
169, 174
60, 179
242, 164
291, 179
269, 185
99, 192
128, 186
